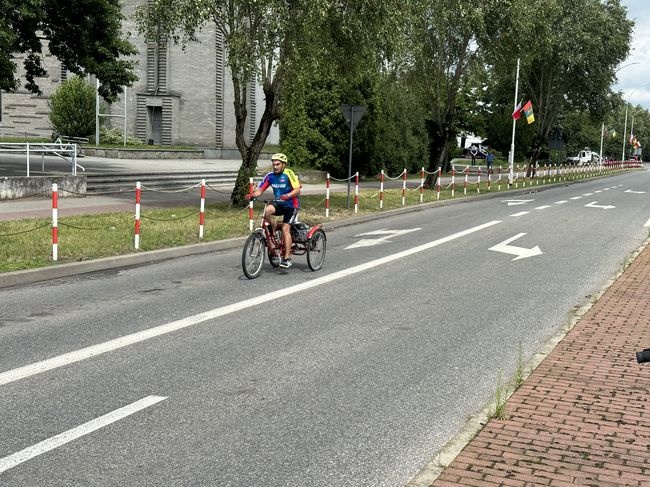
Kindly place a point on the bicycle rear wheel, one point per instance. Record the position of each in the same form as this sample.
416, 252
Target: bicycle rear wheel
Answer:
252, 256
316, 248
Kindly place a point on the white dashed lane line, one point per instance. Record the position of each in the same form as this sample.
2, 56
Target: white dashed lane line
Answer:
67, 436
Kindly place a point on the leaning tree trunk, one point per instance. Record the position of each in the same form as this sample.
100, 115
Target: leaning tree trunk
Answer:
439, 137
250, 153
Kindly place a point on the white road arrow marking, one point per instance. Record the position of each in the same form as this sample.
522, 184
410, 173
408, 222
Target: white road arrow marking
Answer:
647, 224
632, 191
594, 205
520, 252
516, 202
387, 234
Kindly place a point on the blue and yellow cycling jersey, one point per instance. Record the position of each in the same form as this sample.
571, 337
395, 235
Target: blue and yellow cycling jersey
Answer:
282, 183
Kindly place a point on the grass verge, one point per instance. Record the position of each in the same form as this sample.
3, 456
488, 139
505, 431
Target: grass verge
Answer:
27, 243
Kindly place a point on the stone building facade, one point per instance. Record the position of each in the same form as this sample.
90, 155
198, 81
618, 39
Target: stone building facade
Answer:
180, 98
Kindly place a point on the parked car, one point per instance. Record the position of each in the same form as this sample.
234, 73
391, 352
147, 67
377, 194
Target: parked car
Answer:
584, 157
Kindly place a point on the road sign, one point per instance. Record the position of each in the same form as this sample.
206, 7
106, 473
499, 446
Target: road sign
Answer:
353, 113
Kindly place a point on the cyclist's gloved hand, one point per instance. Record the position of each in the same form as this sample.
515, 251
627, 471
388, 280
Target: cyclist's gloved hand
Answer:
285, 197
249, 196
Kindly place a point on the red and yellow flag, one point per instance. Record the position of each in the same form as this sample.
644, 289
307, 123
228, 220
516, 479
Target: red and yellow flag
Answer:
528, 111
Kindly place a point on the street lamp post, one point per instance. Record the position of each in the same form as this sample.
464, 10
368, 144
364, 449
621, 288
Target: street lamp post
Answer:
632, 127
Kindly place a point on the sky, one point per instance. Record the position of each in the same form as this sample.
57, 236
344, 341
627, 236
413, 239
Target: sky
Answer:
634, 79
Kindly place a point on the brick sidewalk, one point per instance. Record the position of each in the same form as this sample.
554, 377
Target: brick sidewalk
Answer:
583, 416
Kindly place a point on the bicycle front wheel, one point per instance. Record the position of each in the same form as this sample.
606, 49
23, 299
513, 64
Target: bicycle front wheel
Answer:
252, 256
316, 247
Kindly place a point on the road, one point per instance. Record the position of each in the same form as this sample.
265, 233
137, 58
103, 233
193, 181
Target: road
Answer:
354, 375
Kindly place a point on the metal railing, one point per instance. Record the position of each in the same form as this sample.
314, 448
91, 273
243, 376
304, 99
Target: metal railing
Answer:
64, 150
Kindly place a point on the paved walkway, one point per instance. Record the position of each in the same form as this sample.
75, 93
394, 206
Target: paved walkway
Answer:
71, 205
583, 416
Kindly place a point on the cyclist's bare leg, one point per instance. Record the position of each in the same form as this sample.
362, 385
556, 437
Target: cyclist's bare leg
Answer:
269, 211
286, 233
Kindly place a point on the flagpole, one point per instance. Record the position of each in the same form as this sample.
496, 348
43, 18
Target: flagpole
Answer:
624, 132
511, 156
602, 136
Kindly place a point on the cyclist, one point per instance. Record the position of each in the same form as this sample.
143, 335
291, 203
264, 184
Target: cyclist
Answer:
286, 188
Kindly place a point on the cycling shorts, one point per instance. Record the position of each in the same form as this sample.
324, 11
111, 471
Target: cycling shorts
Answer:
289, 213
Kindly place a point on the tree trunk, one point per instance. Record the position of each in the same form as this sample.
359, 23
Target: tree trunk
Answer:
439, 137
250, 153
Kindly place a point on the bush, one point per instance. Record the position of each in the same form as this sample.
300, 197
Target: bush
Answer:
113, 136
72, 108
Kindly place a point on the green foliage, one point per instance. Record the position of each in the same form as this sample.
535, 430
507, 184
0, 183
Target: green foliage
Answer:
276, 42
390, 136
85, 36
394, 136
114, 136
500, 398
312, 123
568, 58
443, 63
72, 108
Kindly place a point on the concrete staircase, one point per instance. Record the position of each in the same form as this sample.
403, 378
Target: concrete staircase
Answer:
169, 181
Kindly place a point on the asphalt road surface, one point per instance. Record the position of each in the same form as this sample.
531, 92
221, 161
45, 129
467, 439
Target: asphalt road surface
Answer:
186, 373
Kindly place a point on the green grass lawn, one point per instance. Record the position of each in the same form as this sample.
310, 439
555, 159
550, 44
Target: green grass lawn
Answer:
27, 243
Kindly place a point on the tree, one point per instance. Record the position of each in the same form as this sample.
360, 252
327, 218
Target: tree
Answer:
444, 56
267, 40
85, 35
569, 52
72, 108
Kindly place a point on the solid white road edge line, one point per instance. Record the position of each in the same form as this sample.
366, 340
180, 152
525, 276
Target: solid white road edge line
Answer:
84, 429
121, 342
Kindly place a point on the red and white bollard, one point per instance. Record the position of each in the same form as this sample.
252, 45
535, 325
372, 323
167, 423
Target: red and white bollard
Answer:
202, 210
381, 190
438, 183
356, 192
466, 171
136, 238
421, 185
478, 181
404, 187
327, 196
251, 218
55, 222
453, 181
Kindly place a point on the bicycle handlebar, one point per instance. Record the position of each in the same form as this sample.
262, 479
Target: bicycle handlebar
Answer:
268, 202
